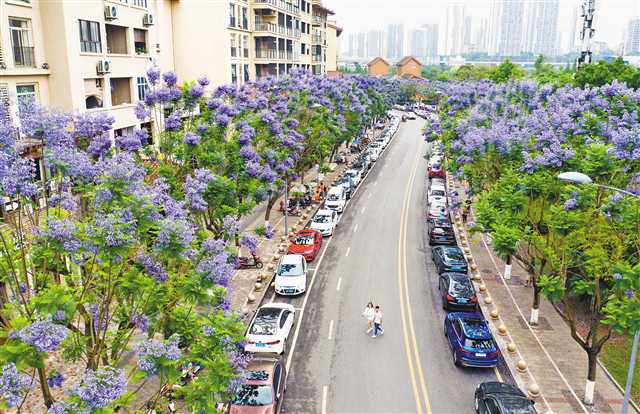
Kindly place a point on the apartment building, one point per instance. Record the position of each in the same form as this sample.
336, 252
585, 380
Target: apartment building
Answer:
92, 55
333, 47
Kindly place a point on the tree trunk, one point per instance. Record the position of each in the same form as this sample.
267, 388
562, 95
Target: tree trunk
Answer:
535, 307
270, 203
507, 268
44, 387
591, 376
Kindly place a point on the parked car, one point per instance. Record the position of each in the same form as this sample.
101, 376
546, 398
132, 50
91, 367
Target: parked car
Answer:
449, 259
437, 194
457, 292
336, 199
439, 182
346, 183
436, 170
373, 153
291, 275
306, 242
269, 328
263, 389
470, 340
494, 397
359, 164
325, 221
411, 115
440, 231
355, 175
368, 163
438, 210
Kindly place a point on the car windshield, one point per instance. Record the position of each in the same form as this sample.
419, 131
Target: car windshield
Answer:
435, 166
290, 269
517, 405
462, 288
254, 395
304, 240
322, 218
265, 322
437, 193
480, 344
333, 197
454, 255
350, 174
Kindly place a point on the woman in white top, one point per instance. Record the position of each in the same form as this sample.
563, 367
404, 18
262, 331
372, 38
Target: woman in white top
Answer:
368, 313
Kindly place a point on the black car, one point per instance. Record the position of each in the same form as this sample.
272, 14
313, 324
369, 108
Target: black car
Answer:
499, 398
457, 292
449, 259
346, 182
440, 231
359, 164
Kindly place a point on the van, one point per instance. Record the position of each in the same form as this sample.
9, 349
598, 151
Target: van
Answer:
336, 199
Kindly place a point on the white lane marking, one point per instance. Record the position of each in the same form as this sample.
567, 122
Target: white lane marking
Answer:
347, 253
363, 209
325, 391
330, 330
273, 297
339, 283
355, 228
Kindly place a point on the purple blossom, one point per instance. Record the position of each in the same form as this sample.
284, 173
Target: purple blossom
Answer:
153, 268
102, 387
43, 334
141, 111
99, 146
203, 81
65, 200
129, 142
571, 203
140, 321
230, 225
174, 236
269, 231
617, 276
249, 153
249, 242
252, 168
170, 78
153, 75
208, 330
195, 91
151, 351
194, 188
63, 233
14, 385
191, 139
55, 379
629, 293
214, 265
174, 121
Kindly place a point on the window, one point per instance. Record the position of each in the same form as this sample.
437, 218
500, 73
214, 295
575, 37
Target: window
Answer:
120, 91
234, 73
234, 45
90, 37
142, 87
232, 15
245, 18
246, 73
26, 94
140, 41
123, 131
116, 39
245, 46
94, 93
140, 3
20, 30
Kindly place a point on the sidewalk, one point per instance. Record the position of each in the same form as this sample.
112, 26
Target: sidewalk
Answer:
556, 363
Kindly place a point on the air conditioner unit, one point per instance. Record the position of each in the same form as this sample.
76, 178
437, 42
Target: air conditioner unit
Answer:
103, 66
110, 12
148, 20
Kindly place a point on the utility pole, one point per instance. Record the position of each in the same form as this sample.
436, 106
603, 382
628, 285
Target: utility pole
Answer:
587, 32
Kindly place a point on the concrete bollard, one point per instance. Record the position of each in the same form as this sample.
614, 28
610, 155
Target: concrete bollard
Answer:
258, 286
521, 366
467, 250
292, 233
502, 330
276, 257
477, 277
474, 266
245, 310
494, 314
463, 243
251, 298
281, 249
534, 390
488, 300
271, 267
511, 347
482, 288
283, 238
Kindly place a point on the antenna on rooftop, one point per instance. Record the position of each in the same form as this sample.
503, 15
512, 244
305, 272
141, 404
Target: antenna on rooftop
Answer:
587, 32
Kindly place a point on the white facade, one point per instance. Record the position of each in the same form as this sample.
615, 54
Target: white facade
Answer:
511, 28
454, 29
541, 27
632, 44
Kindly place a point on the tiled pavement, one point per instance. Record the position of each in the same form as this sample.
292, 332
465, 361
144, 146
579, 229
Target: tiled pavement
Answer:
555, 361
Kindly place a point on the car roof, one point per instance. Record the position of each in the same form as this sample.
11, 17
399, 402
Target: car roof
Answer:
439, 222
291, 259
258, 366
495, 387
335, 190
324, 212
451, 249
458, 277
473, 324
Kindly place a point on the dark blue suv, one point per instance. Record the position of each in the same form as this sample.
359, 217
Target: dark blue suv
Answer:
449, 259
470, 339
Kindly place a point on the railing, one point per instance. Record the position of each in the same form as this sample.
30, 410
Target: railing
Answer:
282, 5
276, 29
318, 20
23, 56
316, 58
318, 40
274, 54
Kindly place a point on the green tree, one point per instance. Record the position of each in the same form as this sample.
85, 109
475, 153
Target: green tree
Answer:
507, 71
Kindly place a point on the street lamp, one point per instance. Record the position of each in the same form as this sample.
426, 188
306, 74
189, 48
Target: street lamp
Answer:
580, 178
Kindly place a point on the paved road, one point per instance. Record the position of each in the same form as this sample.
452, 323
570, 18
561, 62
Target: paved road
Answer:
378, 254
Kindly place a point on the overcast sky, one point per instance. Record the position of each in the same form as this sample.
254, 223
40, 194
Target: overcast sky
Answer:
359, 15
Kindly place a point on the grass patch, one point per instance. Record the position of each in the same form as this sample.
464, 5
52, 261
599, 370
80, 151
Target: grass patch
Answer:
615, 356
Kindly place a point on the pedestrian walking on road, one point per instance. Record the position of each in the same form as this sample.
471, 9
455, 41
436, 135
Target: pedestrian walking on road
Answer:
368, 313
377, 322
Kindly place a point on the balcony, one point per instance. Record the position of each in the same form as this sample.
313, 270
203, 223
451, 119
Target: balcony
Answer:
274, 54
319, 20
276, 29
24, 57
318, 40
317, 58
279, 5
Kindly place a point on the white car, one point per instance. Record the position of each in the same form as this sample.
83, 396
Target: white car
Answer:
270, 328
355, 176
411, 115
291, 275
437, 195
373, 153
325, 221
336, 199
436, 211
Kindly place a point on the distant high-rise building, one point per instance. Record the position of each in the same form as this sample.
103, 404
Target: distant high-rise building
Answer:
375, 43
454, 29
495, 20
361, 50
541, 27
395, 41
479, 36
431, 42
352, 46
418, 43
511, 19
632, 44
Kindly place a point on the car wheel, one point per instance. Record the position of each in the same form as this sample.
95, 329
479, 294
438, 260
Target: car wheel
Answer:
456, 361
444, 304
445, 331
284, 347
475, 403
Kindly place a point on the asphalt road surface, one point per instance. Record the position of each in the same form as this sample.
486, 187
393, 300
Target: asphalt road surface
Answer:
379, 253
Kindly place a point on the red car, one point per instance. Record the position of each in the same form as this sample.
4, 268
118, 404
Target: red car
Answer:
436, 170
263, 391
306, 242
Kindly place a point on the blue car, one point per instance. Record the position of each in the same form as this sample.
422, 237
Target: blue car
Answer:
470, 339
449, 259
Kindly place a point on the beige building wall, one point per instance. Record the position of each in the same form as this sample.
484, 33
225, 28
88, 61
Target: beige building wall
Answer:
333, 32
